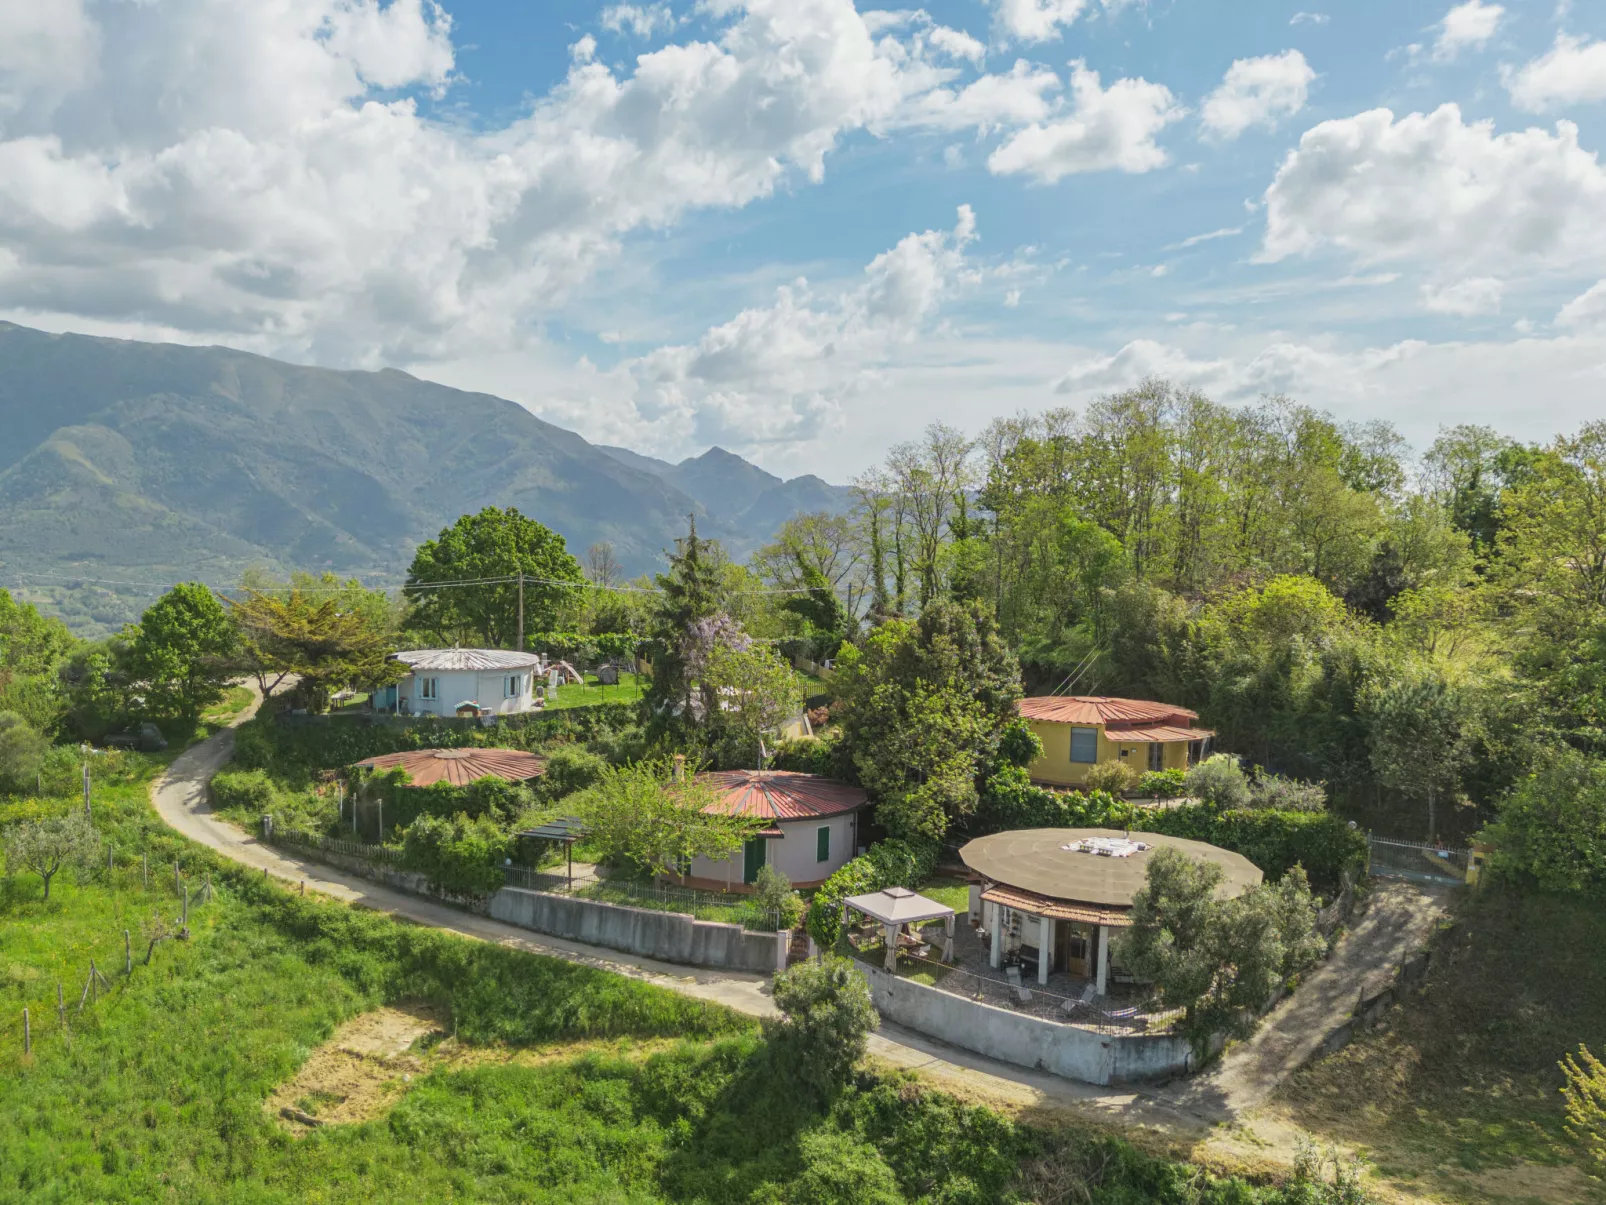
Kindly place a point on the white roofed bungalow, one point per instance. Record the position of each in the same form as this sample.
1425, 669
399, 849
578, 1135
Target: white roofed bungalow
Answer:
442, 681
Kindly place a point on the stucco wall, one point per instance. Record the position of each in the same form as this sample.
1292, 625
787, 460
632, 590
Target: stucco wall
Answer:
667, 936
1056, 766
793, 853
1060, 1049
483, 688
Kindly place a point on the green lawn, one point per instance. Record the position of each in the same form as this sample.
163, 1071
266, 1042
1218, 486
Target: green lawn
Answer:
630, 690
947, 890
235, 700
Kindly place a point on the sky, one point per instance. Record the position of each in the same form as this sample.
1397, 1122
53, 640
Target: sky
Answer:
803, 229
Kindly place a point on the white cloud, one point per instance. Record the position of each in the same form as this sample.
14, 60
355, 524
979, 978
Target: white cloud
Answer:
1309, 19
780, 373
643, 20
1193, 240
1467, 26
1466, 298
251, 169
1436, 188
1017, 98
957, 44
1588, 309
1257, 92
1111, 129
1571, 72
1035, 20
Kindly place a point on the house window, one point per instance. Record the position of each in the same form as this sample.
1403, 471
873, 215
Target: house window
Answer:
510, 687
1084, 744
822, 844
1157, 756
429, 688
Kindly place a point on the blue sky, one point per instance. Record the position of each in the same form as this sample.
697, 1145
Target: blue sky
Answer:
804, 229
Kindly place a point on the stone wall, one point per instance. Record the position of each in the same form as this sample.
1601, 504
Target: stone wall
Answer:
1064, 1050
667, 936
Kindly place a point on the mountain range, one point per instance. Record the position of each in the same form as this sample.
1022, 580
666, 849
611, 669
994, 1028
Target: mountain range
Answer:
125, 464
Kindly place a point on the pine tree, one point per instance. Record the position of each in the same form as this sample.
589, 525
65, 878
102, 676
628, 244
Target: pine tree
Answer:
691, 593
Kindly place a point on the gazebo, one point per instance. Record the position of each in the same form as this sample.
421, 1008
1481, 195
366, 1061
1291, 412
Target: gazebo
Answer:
1061, 892
896, 907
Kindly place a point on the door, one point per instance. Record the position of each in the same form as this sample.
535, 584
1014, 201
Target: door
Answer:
1156, 756
1077, 960
752, 859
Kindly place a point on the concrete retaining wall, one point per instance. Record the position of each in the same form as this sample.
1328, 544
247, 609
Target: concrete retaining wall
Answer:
667, 936
1064, 1050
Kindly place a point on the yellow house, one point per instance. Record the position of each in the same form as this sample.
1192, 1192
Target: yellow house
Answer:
1081, 731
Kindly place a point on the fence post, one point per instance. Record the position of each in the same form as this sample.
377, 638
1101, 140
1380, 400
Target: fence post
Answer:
128, 954
145, 872
61, 1006
27, 1033
178, 882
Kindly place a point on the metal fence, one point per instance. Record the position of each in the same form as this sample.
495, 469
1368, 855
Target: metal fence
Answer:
704, 905
389, 854
1417, 862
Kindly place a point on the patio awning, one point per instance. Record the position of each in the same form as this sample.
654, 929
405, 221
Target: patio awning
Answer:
898, 906
564, 828
1041, 905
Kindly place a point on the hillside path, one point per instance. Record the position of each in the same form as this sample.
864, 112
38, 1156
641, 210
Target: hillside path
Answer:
1186, 1112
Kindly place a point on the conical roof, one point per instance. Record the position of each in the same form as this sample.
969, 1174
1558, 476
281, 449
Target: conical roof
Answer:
780, 794
459, 767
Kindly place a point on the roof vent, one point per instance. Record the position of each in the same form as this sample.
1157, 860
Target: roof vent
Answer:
899, 893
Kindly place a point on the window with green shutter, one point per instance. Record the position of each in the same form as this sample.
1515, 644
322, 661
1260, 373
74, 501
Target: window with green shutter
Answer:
822, 844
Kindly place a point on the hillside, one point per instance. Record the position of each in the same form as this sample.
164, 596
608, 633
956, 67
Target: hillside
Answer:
129, 461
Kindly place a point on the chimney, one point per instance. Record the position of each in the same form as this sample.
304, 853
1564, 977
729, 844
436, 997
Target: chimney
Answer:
680, 767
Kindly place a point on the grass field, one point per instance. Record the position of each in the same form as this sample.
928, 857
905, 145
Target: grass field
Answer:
1458, 1091
630, 690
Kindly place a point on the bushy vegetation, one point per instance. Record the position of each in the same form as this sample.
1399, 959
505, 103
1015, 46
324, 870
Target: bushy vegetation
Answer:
461, 858
246, 792
890, 863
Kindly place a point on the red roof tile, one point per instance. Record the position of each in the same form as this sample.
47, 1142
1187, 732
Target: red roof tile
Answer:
1041, 905
780, 794
459, 767
1156, 733
1096, 709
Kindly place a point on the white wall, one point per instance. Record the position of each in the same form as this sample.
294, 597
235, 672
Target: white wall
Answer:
792, 853
484, 688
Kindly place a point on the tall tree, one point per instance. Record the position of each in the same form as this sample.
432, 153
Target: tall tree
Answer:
328, 648
692, 593
452, 600
1420, 739
181, 652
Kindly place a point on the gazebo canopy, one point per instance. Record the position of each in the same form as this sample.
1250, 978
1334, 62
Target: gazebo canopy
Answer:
898, 906
459, 767
1092, 866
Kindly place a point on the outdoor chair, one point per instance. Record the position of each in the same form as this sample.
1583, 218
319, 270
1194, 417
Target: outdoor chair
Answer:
1022, 992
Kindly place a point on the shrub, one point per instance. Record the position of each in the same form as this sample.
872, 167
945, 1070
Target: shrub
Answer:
1018, 744
1585, 1091
842, 1169
824, 754
22, 753
1219, 781
569, 769
884, 864
825, 1024
773, 892
1552, 827
1274, 792
245, 790
1114, 777
1163, 784
462, 857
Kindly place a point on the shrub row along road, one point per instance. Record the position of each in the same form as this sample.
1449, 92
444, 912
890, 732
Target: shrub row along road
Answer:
1396, 923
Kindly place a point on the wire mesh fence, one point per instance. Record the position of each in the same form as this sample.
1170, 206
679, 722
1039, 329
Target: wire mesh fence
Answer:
1417, 861
745, 911
388, 854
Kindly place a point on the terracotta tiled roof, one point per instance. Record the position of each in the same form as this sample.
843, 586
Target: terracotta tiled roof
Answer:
1096, 709
1042, 905
1151, 734
780, 794
459, 767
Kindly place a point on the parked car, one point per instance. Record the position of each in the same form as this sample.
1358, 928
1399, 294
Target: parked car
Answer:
147, 738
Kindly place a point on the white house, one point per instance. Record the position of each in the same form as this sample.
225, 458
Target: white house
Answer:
441, 680
812, 827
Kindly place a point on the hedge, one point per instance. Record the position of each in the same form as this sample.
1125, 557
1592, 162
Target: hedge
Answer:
251, 790
1273, 840
885, 864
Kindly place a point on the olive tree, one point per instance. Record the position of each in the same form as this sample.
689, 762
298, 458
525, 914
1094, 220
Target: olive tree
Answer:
825, 1023
47, 846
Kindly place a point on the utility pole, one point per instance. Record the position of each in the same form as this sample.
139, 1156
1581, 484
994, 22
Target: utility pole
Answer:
521, 611
86, 789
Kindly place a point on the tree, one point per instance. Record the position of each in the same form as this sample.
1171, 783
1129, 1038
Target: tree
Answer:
499, 545
329, 648
461, 857
181, 652
1217, 959
47, 846
691, 592
825, 1024
30, 643
22, 752
1552, 825
755, 692
1220, 781
1419, 728
923, 706
642, 815
602, 567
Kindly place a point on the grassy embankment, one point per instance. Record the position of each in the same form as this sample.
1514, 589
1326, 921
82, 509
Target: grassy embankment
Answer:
1457, 1092
586, 1086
